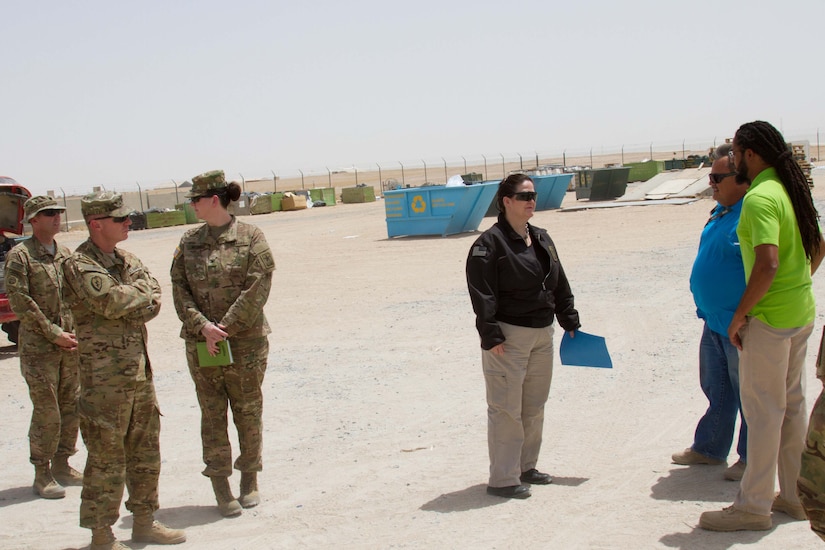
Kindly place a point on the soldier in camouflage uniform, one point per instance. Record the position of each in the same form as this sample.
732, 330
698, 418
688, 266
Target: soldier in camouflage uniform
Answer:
47, 347
113, 296
811, 483
221, 277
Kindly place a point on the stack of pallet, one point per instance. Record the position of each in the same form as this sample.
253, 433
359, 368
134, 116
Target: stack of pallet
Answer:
801, 159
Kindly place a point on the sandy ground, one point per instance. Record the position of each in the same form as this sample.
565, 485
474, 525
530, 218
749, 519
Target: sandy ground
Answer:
375, 412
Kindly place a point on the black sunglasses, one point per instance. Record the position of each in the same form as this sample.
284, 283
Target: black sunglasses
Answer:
193, 200
50, 213
116, 219
525, 196
717, 178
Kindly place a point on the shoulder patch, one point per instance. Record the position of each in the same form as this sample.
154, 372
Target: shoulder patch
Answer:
96, 283
480, 250
261, 252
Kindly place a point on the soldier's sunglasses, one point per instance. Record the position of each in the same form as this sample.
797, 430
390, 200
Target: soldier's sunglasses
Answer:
525, 196
116, 219
50, 213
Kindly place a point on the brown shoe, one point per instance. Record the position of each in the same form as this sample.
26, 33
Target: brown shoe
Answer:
227, 504
689, 457
147, 529
735, 472
731, 519
104, 539
44, 484
64, 474
249, 490
796, 511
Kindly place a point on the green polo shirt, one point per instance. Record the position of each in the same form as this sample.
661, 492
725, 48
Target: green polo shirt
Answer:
768, 218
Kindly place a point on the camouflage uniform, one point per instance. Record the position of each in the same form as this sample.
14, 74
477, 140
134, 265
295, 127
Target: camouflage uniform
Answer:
226, 280
112, 300
811, 483
34, 283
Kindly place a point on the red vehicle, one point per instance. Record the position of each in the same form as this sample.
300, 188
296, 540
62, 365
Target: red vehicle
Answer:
12, 198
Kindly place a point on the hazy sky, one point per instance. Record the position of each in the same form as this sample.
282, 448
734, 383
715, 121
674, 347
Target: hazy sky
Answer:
110, 93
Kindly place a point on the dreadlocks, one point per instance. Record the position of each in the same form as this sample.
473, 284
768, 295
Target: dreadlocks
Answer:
766, 141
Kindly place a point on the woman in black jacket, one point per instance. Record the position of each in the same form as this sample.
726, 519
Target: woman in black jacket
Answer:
517, 285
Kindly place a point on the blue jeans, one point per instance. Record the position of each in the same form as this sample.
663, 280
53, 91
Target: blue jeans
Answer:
719, 377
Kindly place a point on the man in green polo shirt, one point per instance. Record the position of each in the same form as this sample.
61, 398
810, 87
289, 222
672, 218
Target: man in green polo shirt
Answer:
782, 246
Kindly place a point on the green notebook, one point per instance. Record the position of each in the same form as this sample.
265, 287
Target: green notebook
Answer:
221, 359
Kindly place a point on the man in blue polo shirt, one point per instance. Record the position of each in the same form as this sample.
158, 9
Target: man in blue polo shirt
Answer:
717, 283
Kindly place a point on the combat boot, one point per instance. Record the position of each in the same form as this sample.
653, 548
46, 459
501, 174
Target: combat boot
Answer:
65, 474
103, 539
223, 494
44, 483
146, 529
249, 489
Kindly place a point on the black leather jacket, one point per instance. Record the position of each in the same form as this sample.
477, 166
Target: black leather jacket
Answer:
510, 283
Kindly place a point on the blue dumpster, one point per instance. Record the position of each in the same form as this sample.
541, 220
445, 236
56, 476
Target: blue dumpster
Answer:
550, 191
437, 210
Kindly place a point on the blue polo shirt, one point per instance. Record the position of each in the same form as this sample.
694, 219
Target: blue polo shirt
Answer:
717, 280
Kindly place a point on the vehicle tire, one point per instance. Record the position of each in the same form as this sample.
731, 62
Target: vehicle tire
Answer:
12, 329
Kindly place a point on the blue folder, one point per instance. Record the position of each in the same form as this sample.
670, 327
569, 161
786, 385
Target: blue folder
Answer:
585, 350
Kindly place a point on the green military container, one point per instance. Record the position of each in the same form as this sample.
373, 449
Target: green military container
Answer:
326, 194
643, 171
357, 194
260, 204
602, 183
165, 219
188, 211
276, 201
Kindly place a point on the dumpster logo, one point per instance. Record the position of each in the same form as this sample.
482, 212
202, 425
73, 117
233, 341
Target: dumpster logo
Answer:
418, 205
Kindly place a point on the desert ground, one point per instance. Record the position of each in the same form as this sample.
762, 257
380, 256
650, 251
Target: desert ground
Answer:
375, 416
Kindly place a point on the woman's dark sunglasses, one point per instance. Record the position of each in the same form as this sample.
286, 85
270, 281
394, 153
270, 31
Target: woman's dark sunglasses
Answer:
50, 213
193, 200
525, 196
717, 178
116, 219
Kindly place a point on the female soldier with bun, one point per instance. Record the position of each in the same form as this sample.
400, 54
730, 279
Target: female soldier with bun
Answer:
221, 277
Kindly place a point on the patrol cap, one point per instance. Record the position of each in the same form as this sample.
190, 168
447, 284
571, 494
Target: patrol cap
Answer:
207, 183
37, 204
106, 203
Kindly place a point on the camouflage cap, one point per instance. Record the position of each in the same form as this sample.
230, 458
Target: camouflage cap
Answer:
106, 203
37, 204
206, 183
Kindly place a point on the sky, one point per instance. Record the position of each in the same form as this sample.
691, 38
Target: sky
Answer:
121, 94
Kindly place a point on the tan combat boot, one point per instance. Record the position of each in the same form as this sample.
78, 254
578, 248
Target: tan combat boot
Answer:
146, 529
103, 539
223, 494
249, 489
65, 474
44, 483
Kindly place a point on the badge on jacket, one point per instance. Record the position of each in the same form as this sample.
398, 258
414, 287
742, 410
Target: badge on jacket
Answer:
479, 250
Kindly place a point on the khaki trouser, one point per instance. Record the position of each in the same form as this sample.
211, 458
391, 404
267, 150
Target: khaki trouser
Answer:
54, 389
811, 484
122, 435
771, 385
517, 387
237, 386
